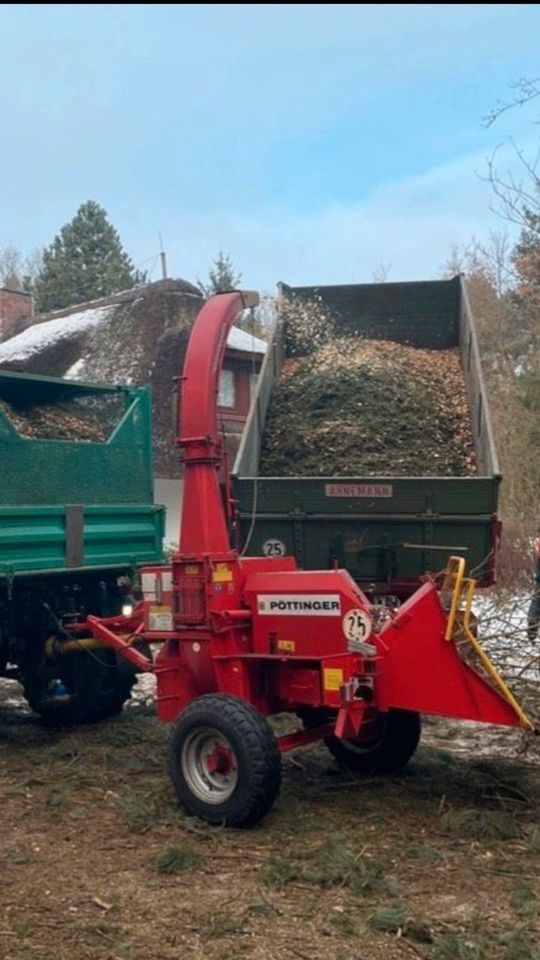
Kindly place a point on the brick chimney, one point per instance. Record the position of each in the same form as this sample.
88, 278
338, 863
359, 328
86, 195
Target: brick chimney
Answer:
16, 312
15, 304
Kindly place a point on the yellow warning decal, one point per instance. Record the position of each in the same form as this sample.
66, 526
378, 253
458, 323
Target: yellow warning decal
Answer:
288, 645
222, 573
160, 617
333, 678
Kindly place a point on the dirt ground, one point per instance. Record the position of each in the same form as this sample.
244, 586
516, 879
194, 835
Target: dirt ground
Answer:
98, 861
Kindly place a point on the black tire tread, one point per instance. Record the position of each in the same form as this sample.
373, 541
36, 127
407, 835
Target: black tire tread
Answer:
104, 689
259, 743
400, 740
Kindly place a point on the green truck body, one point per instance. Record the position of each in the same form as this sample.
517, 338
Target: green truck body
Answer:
76, 519
387, 531
68, 504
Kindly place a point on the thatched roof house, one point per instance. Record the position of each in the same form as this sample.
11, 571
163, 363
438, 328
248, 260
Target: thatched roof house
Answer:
138, 336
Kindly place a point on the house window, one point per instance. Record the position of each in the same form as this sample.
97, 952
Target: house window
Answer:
227, 393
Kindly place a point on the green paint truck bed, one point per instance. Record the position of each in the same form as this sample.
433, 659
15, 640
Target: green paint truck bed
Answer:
386, 530
76, 488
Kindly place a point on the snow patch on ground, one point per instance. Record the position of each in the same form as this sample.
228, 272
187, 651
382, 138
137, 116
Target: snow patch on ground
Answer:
75, 370
503, 630
40, 336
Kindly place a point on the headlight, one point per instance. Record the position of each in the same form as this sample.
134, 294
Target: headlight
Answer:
127, 609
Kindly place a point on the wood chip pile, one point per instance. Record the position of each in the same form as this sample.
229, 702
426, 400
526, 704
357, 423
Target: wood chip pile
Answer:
66, 420
361, 407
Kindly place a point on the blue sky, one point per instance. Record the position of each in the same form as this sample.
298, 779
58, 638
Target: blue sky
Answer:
312, 143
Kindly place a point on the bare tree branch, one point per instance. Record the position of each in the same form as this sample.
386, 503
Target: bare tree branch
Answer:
526, 90
517, 198
382, 272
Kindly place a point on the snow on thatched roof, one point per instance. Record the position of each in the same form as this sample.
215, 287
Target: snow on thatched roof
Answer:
138, 337
246, 342
40, 336
68, 326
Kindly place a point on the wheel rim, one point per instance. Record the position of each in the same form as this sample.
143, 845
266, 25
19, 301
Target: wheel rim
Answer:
209, 766
72, 670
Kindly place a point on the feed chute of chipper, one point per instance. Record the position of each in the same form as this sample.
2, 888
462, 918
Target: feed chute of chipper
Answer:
243, 638
432, 662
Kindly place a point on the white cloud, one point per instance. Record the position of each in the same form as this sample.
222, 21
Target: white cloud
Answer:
410, 224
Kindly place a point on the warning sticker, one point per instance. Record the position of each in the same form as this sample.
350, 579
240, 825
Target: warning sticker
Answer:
332, 678
222, 573
288, 645
155, 584
160, 620
298, 605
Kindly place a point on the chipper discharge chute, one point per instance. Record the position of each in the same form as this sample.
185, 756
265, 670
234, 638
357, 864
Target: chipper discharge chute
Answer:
247, 637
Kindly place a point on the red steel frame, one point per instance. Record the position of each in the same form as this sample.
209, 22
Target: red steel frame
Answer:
219, 634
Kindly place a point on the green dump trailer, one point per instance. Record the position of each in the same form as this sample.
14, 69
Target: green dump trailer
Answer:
388, 531
76, 519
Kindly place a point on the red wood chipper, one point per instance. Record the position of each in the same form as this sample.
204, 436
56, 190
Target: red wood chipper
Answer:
244, 638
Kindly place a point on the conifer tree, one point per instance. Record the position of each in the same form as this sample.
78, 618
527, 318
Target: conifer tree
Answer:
221, 277
85, 261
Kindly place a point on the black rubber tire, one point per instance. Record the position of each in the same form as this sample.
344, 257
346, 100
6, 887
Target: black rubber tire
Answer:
394, 742
97, 682
255, 751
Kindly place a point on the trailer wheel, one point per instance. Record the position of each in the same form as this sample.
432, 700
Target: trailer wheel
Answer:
224, 761
386, 744
95, 682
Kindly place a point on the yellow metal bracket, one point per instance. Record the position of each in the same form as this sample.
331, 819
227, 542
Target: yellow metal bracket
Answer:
462, 589
454, 577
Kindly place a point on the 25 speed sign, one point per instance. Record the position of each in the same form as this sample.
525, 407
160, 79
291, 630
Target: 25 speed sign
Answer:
274, 548
356, 625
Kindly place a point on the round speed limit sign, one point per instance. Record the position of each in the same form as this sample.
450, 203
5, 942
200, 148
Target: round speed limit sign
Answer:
356, 625
274, 548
